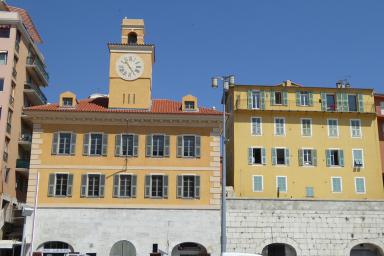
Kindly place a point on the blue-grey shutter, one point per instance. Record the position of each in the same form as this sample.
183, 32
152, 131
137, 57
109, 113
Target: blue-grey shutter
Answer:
341, 157
309, 191
197, 146
55, 139
285, 98
301, 158
166, 145
274, 159
314, 157
51, 185
179, 186
73, 143
179, 146
165, 186
133, 186
361, 102
298, 103
69, 185
323, 101
148, 147
105, 144
147, 187
197, 187
135, 145
263, 156
102, 185
345, 102
116, 185
249, 98
328, 156
250, 156
262, 100
339, 102
86, 144
118, 145
287, 156
310, 96
83, 190
272, 97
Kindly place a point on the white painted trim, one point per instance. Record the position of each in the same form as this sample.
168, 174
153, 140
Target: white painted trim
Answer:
337, 128
253, 183
259, 147
284, 128
341, 184
261, 126
301, 124
365, 188
119, 167
286, 183
351, 129
362, 158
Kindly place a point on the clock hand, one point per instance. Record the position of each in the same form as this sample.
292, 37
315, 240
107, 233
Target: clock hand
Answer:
129, 66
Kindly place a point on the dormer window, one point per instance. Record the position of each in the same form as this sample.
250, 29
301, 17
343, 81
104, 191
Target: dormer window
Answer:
132, 38
189, 105
67, 102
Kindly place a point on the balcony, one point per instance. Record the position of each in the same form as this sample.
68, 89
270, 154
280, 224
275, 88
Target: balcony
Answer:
14, 73
11, 100
5, 156
9, 128
34, 94
37, 69
22, 165
25, 141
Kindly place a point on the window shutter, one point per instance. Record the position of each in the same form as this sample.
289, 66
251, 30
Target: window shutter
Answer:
180, 146
262, 100
118, 145
69, 185
116, 185
86, 144
314, 157
285, 98
166, 145
249, 97
197, 146
55, 139
73, 143
135, 144
165, 186
148, 150
341, 157
301, 157
328, 155
323, 101
345, 102
105, 144
83, 192
339, 102
263, 156
298, 103
310, 96
274, 160
51, 185
147, 190
133, 186
273, 100
197, 187
250, 156
102, 185
287, 156
179, 185
361, 102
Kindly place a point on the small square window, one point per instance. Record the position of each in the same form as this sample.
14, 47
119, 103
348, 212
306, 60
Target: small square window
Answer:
189, 105
3, 58
67, 102
5, 31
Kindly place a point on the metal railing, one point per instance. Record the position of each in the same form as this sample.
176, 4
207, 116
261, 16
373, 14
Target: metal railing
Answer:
9, 128
14, 72
34, 61
17, 47
5, 156
22, 163
11, 100
30, 85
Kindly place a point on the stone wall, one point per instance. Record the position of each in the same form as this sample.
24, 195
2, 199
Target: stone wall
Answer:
312, 228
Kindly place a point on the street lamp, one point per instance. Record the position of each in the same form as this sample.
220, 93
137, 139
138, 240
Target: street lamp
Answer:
227, 81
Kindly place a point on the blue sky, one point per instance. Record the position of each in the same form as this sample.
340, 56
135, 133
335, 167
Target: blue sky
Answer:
261, 42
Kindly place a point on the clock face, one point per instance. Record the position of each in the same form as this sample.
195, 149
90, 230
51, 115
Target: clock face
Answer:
129, 66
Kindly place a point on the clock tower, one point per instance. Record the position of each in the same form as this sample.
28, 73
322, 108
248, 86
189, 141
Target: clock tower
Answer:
130, 68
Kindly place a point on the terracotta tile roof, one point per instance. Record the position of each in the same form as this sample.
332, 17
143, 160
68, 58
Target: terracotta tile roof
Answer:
28, 23
159, 106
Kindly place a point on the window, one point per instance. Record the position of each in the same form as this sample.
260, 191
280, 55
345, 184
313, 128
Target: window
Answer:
335, 157
95, 144
333, 129
256, 126
156, 186
336, 184
304, 99
306, 127
280, 156
279, 126
258, 185
358, 159
5, 31
3, 58
355, 128
309, 192
189, 105
124, 185
188, 186
278, 98
126, 145
1, 84
382, 107
307, 157
132, 38
63, 143
67, 102
360, 185
188, 146
256, 155
157, 145
9, 120
352, 103
60, 184
331, 102
255, 100
281, 184
92, 185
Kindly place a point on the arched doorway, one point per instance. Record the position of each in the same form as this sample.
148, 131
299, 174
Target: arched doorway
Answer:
55, 248
279, 249
123, 248
132, 38
366, 249
189, 249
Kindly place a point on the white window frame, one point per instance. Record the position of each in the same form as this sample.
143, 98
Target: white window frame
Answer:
362, 158
338, 150
351, 128
121, 143
365, 188
286, 183
54, 189
253, 183
253, 103
382, 107
58, 143
261, 126
261, 148
6, 57
194, 185
302, 127
194, 154
285, 158
300, 98
341, 184
90, 145
150, 186
329, 127
118, 185
308, 165
275, 126
87, 188
152, 148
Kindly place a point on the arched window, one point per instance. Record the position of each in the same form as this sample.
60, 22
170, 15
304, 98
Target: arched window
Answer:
189, 248
123, 248
278, 249
132, 38
366, 249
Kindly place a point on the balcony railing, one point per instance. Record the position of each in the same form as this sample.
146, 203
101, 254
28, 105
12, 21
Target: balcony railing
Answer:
14, 72
11, 100
22, 163
5, 156
35, 62
9, 128
30, 86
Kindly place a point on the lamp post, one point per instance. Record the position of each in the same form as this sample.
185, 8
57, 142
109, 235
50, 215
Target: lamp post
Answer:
226, 82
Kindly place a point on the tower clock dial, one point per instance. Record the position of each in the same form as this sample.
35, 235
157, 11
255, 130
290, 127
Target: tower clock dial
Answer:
129, 66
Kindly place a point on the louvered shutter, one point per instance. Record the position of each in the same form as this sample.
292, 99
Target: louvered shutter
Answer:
105, 144
274, 159
102, 185
166, 145
272, 96
361, 102
116, 179
341, 157
86, 144
249, 98
262, 100
148, 147
263, 156
118, 145
135, 145
165, 186
250, 156
180, 146
51, 185
287, 157
298, 103
301, 158
55, 139
197, 187
133, 186
179, 186
314, 157
285, 98
73, 143
323, 101
69, 185
339, 102
83, 190
147, 187
310, 96
345, 102
328, 156
197, 146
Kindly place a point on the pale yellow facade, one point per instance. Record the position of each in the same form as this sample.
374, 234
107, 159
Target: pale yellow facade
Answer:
321, 177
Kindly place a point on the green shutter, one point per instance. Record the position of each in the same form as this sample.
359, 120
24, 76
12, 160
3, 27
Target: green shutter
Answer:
328, 156
73, 143
197, 187
83, 190
118, 145
116, 185
301, 158
310, 96
250, 156
361, 102
105, 144
314, 157
197, 146
323, 101
272, 98
287, 157
102, 185
86, 144
69, 185
55, 139
135, 145
263, 156
339, 102
298, 103
133, 186
179, 146
274, 159
345, 102
147, 187
165, 186
341, 157
285, 98
179, 186
166, 145
51, 185
148, 147
262, 100
249, 94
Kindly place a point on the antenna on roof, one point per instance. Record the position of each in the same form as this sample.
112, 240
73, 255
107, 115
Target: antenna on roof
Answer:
344, 83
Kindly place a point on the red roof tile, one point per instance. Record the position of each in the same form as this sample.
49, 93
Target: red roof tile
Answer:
159, 106
28, 23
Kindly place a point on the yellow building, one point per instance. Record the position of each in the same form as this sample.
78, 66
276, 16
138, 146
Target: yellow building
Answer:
291, 141
126, 169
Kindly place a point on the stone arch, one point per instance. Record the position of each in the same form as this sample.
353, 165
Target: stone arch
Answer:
287, 241
132, 38
365, 243
190, 248
122, 248
52, 246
